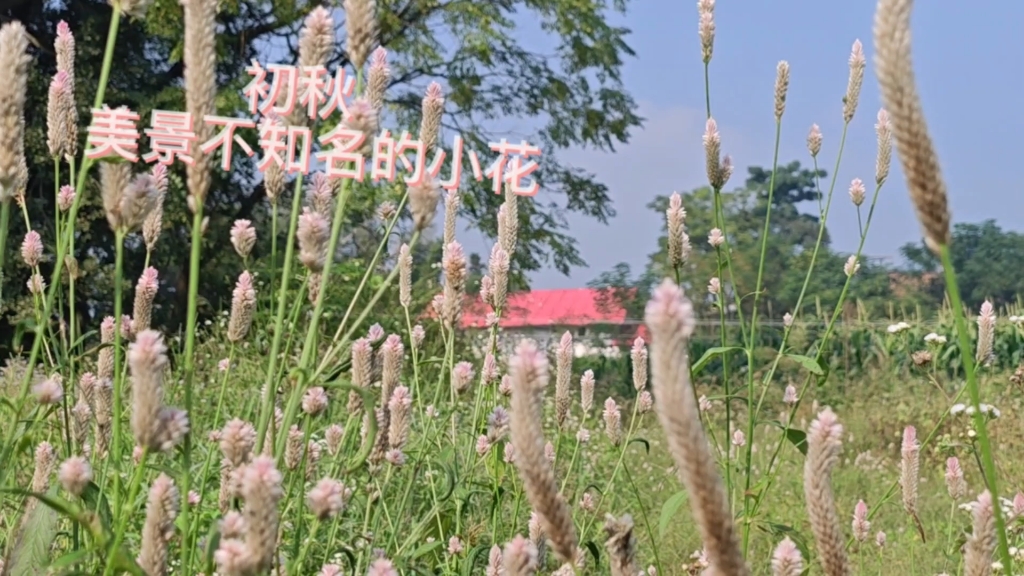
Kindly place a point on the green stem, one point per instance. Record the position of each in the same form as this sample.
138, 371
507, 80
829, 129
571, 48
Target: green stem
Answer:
752, 341
126, 510
273, 243
62, 247
5, 222
267, 402
979, 418
115, 454
817, 357
190, 363
312, 330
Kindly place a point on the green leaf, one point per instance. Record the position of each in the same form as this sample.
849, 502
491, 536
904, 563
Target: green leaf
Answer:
647, 445
470, 562
595, 551
70, 559
31, 549
424, 549
809, 364
97, 502
669, 510
709, 354
212, 543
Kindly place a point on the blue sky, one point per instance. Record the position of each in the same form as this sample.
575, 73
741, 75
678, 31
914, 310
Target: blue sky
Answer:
971, 99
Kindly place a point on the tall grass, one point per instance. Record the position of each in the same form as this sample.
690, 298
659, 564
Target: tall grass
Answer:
309, 442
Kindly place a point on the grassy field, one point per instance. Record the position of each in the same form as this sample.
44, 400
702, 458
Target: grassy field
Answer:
327, 423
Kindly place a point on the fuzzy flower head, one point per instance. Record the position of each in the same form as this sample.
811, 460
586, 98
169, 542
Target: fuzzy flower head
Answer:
65, 198
856, 80
861, 525
587, 391
645, 402
612, 421
706, 28
462, 376
382, 567
243, 237
857, 192
314, 401
454, 546
814, 140
716, 238
49, 391
986, 333
638, 355
327, 498
909, 466
312, 234
883, 158
75, 474
955, 483
786, 560
739, 439
852, 265
32, 249
790, 396
678, 243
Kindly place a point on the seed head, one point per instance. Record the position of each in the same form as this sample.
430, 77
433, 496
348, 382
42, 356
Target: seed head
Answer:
909, 466
314, 401
587, 391
857, 192
243, 237
430, 124
361, 24
312, 234
955, 483
706, 28
986, 334
49, 391
884, 157
75, 474
861, 525
423, 199
786, 560
781, 88
612, 421
327, 498
814, 140
855, 81
32, 249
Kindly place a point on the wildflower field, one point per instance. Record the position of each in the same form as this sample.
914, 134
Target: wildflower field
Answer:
320, 418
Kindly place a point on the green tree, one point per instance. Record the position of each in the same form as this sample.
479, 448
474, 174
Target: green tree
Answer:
976, 250
792, 232
574, 95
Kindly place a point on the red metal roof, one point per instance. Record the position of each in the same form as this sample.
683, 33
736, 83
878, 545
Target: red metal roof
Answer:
540, 308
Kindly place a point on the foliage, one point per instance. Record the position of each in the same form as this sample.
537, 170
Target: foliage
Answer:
476, 50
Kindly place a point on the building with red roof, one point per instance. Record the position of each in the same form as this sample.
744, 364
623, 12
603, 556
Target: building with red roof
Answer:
599, 325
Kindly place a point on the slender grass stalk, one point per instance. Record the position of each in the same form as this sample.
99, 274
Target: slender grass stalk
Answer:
342, 342
967, 355
752, 340
115, 453
766, 382
310, 344
133, 491
62, 247
772, 471
5, 222
267, 402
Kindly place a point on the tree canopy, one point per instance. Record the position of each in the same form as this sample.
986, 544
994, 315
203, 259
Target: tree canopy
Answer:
572, 94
